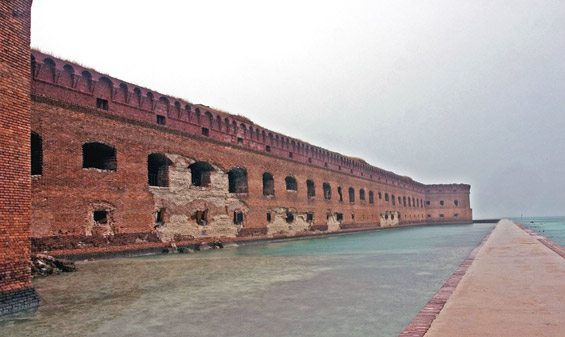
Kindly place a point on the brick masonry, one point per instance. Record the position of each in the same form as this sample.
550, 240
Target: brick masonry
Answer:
15, 284
73, 105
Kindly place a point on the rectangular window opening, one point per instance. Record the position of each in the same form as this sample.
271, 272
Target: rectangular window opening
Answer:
102, 104
205, 132
101, 217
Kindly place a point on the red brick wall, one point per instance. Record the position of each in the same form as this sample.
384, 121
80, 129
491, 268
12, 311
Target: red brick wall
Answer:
448, 203
15, 283
65, 115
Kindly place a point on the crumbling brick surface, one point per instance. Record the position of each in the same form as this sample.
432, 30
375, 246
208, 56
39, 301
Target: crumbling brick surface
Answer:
185, 172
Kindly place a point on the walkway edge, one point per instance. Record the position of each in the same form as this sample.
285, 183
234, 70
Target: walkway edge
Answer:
554, 246
423, 320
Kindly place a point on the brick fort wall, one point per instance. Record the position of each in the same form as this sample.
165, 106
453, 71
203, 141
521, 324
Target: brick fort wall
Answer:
118, 166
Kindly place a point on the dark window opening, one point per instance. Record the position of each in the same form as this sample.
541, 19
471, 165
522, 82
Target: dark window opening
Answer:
351, 194
310, 160
268, 184
310, 217
160, 216
392, 217
339, 216
237, 180
441, 202
352, 216
325, 164
393, 199
268, 217
386, 196
101, 217
289, 217
158, 170
380, 196
291, 184
371, 198
428, 202
268, 148
404, 201
290, 155
456, 202
310, 191
237, 218
205, 132
102, 104
200, 172
428, 215
362, 194
340, 193
456, 215
98, 155
161, 120
441, 215
36, 154
239, 140
201, 217
327, 191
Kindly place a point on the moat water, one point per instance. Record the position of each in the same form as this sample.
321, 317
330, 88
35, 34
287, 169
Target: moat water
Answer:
366, 284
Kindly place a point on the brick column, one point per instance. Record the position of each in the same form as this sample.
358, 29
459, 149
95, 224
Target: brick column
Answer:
16, 291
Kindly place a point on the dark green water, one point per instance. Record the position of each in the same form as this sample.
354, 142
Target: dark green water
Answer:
368, 284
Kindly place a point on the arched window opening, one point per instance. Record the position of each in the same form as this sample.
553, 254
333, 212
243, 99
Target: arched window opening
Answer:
371, 198
362, 194
351, 194
404, 201
99, 156
200, 172
340, 193
386, 197
237, 180
268, 184
310, 190
393, 199
380, 196
36, 154
158, 170
291, 184
327, 191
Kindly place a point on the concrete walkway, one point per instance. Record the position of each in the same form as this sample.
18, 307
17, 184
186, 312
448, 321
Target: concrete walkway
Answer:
514, 287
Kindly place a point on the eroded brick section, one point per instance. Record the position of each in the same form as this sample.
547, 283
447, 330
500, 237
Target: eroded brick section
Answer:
423, 320
15, 184
118, 161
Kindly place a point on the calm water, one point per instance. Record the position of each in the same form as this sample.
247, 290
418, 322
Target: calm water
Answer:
348, 285
552, 228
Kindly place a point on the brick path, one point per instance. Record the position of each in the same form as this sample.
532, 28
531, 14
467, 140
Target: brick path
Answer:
514, 287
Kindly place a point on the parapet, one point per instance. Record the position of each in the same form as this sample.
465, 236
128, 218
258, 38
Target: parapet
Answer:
73, 83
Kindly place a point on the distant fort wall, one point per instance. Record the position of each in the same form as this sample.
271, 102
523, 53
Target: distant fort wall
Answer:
115, 165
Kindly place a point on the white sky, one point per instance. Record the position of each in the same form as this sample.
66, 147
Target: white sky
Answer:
442, 91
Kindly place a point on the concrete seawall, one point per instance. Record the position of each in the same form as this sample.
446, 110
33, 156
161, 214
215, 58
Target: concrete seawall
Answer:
513, 286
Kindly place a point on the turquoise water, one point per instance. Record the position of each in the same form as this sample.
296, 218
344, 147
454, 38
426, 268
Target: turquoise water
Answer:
552, 228
371, 283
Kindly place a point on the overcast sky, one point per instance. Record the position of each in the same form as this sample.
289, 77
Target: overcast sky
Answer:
442, 91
